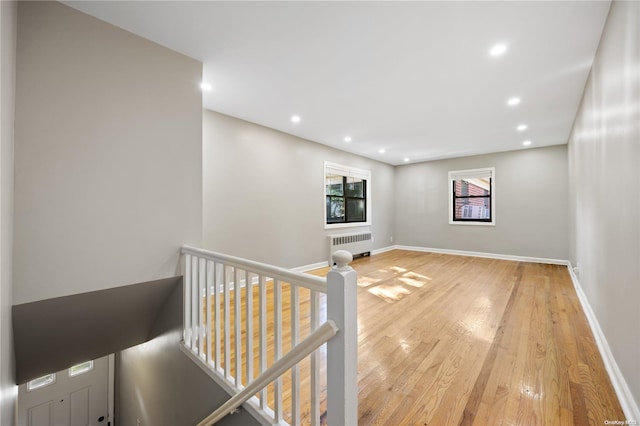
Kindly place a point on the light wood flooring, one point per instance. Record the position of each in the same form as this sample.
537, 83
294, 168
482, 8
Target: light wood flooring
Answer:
454, 340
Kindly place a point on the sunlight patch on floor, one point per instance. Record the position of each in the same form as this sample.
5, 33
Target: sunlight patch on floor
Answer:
414, 280
416, 276
389, 293
411, 282
366, 281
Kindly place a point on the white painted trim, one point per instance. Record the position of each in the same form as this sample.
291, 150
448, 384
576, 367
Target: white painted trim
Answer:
319, 265
302, 280
330, 226
325, 264
382, 250
492, 174
310, 267
482, 254
111, 419
627, 402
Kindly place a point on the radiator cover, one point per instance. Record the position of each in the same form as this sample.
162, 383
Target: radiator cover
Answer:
357, 243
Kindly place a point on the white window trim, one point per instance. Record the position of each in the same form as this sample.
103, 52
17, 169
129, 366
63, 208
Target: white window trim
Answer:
457, 173
349, 172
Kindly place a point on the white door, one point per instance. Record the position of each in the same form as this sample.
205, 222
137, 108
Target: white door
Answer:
78, 396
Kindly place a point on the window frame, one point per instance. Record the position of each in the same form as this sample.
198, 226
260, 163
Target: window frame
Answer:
469, 173
347, 172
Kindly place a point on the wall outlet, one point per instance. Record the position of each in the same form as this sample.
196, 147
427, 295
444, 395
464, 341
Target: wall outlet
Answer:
390, 239
138, 422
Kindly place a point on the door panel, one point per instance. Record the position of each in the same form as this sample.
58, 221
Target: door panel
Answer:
80, 410
41, 415
79, 400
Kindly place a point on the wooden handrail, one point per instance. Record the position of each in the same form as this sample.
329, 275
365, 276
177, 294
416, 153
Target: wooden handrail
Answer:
311, 282
324, 333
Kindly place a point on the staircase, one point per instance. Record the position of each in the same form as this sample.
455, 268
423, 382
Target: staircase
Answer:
283, 344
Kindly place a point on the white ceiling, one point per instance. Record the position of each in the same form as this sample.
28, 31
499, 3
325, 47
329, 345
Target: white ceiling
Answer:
413, 78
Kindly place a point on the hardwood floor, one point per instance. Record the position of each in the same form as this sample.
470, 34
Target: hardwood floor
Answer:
448, 340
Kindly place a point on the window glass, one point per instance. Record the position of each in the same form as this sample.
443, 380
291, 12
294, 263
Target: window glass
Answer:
356, 210
333, 184
41, 382
335, 209
81, 368
355, 187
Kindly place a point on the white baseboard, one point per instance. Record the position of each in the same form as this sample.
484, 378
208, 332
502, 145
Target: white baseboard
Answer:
382, 250
486, 255
446, 251
311, 267
324, 264
627, 402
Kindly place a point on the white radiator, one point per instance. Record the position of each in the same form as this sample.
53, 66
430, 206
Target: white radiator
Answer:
357, 243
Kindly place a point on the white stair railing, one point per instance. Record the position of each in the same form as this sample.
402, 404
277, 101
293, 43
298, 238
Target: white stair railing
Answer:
310, 344
238, 321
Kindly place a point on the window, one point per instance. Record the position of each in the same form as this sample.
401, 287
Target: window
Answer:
80, 368
346, 196
50, 379
41, 382
472, 197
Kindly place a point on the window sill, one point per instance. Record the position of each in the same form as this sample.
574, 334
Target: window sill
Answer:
473, 223
346, 225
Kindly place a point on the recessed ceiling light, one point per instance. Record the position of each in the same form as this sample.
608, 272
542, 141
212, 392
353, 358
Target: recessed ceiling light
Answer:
295, 118
498, 50
347, 138
206, 86
513, 101
381, 151
526, 143
521, 127
406, 159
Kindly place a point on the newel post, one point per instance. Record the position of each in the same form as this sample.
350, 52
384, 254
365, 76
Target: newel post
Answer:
342, 350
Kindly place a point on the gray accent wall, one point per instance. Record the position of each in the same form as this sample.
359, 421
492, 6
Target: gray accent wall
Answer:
604, 171
264, 193
8, 29
531, 193
159, 385
54, 334
108, 147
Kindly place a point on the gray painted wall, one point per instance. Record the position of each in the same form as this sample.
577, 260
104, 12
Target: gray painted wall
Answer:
108, 146
46, 332
264, 193
161, 386
604, 166
8, 28
531, 192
